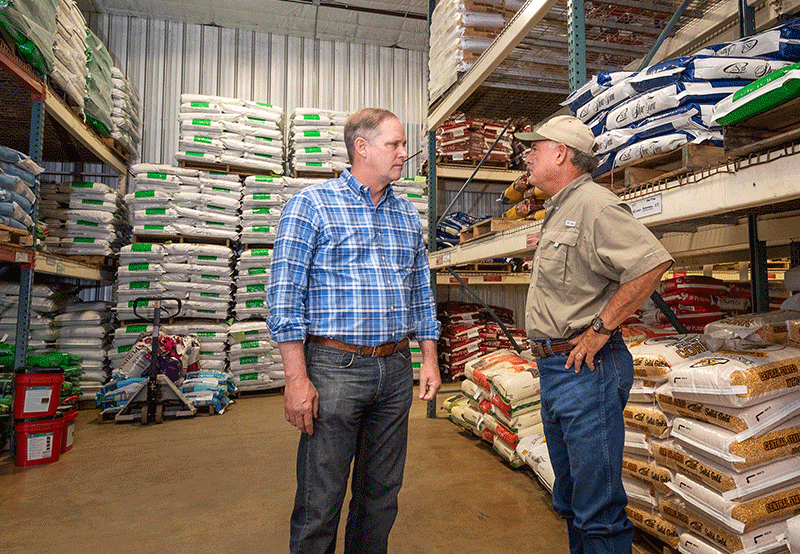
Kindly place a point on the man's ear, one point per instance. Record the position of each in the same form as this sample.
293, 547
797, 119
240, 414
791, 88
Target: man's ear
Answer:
563, 153
360, 146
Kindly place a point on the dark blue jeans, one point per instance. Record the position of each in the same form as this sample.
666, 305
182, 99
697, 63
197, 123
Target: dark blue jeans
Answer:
363, 419
582, 419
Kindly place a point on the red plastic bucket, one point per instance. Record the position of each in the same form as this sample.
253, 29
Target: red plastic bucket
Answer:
38, 441
36, 391
68, 433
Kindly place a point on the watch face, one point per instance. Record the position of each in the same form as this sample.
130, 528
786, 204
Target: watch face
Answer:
597, 324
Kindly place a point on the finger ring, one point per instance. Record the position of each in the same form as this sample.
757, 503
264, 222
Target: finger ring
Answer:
580, 355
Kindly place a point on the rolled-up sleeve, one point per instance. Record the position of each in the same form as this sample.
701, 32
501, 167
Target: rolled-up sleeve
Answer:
289, 270
423, 306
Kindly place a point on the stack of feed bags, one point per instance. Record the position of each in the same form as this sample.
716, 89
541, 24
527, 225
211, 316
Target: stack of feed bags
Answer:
86, 218
43, 332
672, 102
252, 275
263, 198
98, 105
503, 392
151, 199
644, 480
316, 140
218, 129
17, 184
292, 185
208, 388
460, 32
448, 232
210, 210
86, 331
201, 276
211, 339
415, 191
469, 332
69, 69
720, 464
32, 26
140, 275
254, 358
460, 139
126, 115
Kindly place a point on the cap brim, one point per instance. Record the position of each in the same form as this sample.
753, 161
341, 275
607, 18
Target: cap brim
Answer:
528, 138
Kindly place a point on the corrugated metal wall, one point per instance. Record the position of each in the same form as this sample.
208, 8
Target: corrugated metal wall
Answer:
164, 59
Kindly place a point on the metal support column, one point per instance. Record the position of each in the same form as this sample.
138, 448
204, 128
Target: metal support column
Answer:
576, 43
35, 147
747, 19
664, 34
794, 255
758, 268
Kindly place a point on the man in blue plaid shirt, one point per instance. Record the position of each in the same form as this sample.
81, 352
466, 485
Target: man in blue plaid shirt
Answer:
349, 285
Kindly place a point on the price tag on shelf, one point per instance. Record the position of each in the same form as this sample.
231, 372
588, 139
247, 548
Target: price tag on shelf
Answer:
646, 206
21, 257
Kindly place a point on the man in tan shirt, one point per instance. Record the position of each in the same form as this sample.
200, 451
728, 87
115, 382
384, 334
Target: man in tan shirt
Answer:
595, 264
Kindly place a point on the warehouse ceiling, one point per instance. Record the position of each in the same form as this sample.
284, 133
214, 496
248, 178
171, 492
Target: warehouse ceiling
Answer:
398, 23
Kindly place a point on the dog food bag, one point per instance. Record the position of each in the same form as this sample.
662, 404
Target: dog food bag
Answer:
766, 538
721, 445
745, 422
738, 378
738, 517
654, 358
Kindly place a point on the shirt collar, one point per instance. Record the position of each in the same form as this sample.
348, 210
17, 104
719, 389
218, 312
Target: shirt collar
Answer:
561, 196
361, 190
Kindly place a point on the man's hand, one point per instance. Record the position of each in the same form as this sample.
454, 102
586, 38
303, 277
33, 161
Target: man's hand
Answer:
587, 344
301, 403
430, 380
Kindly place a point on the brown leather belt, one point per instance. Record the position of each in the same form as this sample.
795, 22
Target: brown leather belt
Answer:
558, 346
380, 351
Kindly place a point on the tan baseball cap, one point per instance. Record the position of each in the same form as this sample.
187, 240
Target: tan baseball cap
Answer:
562, 128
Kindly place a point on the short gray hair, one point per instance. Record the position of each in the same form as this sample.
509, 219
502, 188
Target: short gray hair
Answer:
587, 162
363, 123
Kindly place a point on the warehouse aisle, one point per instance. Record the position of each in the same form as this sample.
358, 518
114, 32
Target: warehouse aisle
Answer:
226, 484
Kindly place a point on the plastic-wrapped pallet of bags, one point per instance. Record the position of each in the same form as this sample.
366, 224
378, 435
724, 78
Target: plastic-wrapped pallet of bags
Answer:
126, 115
738, 378
69, 69
32, 25
98, 104
17, 181
752, 330
251, 372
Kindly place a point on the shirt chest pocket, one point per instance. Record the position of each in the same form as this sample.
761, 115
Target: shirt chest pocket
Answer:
555, 252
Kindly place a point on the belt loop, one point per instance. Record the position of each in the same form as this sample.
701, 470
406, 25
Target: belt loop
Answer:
358, 351
549, 349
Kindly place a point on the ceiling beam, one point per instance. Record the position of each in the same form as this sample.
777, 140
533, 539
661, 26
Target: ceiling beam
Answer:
653, 7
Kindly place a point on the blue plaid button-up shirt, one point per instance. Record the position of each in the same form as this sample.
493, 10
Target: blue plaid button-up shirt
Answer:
347, 269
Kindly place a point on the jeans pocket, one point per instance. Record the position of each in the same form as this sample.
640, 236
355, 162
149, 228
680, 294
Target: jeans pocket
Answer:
405, 353
331, 358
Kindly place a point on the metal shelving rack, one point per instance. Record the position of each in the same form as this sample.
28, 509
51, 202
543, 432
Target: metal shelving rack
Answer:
737, 209
56, 133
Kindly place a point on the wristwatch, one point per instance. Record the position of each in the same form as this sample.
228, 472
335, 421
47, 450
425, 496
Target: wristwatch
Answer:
599, 327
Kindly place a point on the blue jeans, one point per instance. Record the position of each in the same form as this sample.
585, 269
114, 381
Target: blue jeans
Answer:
583, 425
363, 419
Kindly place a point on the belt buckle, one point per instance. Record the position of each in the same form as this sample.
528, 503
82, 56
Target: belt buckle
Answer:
538, 350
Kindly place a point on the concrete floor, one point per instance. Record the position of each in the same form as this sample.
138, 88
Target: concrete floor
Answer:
226, 484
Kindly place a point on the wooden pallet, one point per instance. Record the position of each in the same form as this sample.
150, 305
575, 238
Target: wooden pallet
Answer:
116, 146
17, 237
316, 174
489, 227
102, 261
763, 131
484, 267
686, 159
181, 239
256, 393
227, 168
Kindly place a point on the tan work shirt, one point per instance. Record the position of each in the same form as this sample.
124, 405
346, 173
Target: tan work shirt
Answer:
590, 244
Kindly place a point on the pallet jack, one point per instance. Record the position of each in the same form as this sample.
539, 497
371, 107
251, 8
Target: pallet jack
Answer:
158, 397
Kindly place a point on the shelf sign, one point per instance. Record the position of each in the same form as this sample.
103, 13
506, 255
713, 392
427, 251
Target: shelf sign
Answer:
646, 206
